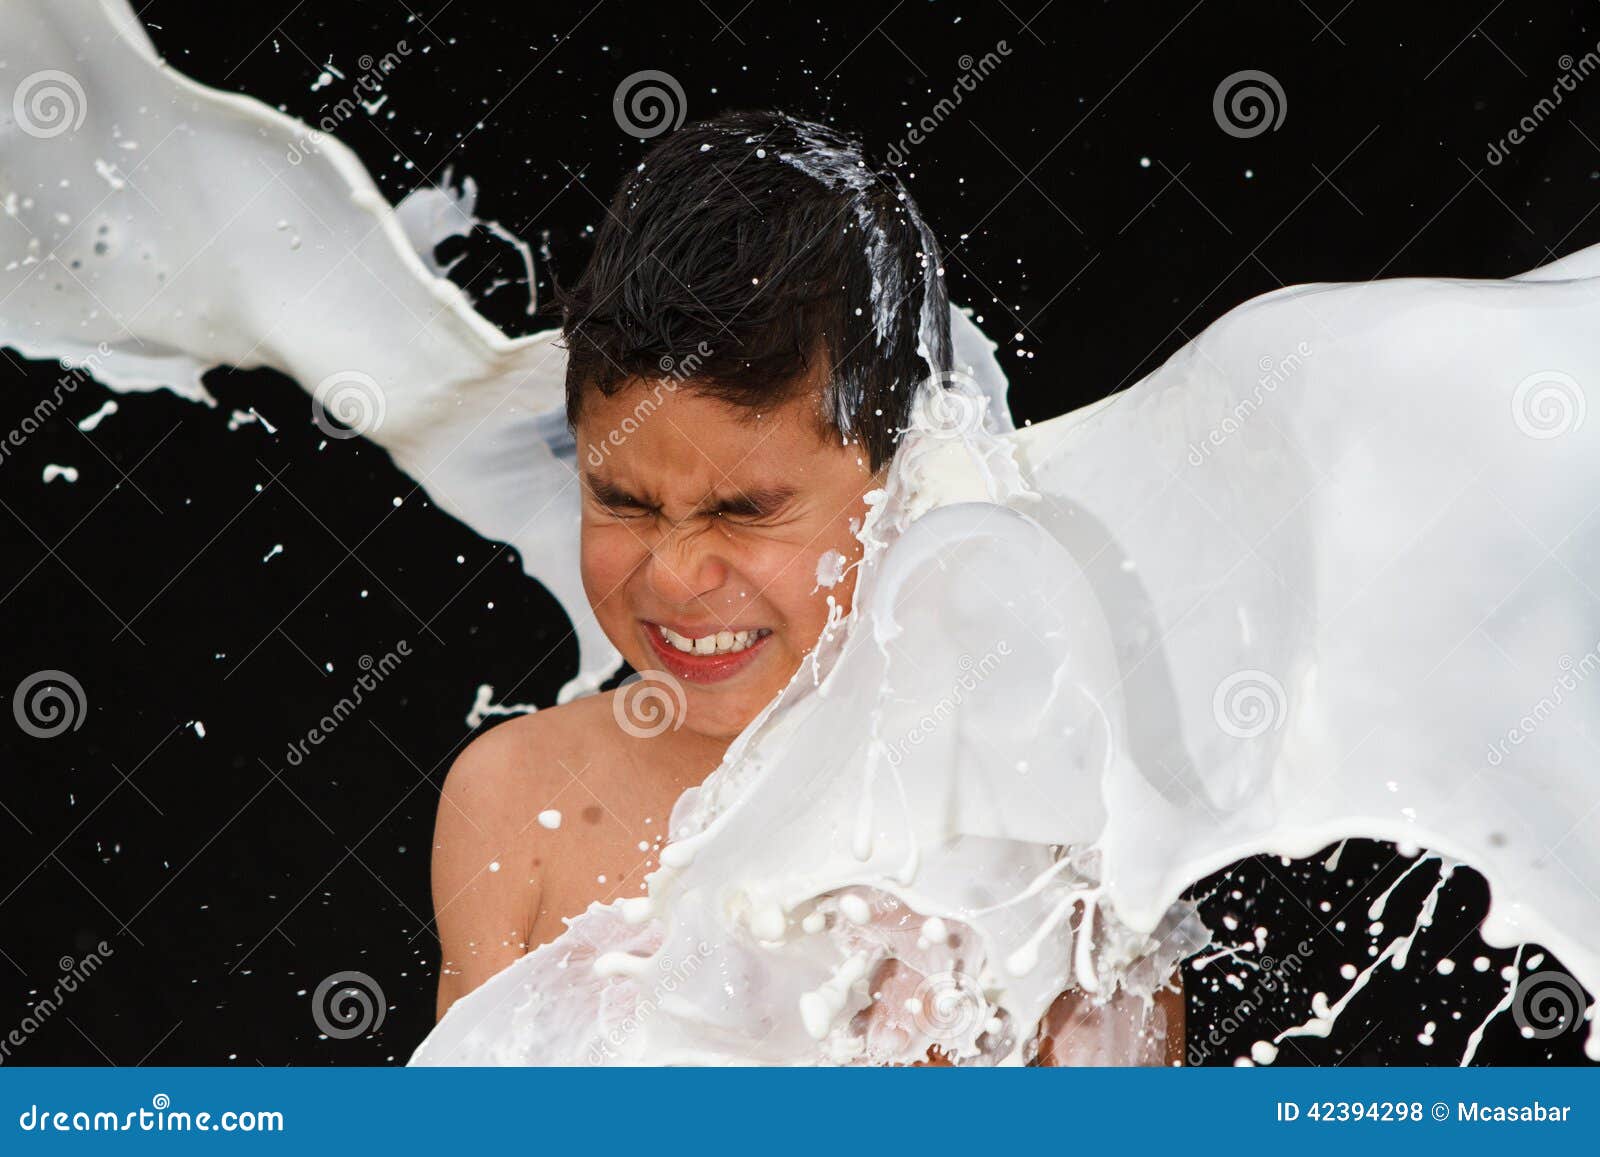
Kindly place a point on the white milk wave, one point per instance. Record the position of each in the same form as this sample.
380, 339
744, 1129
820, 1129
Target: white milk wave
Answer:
1325, 573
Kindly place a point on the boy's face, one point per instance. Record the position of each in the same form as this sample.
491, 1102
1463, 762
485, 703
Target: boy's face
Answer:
703, 527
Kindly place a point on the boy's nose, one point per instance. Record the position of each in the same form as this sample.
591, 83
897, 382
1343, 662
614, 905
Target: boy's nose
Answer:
684, 566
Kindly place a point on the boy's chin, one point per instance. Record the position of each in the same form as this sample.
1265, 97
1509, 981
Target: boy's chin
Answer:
710, 705
723, 713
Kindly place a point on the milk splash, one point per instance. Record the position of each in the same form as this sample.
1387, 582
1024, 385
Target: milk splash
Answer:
1314, 632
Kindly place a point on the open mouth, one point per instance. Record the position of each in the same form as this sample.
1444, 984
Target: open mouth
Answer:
705, 658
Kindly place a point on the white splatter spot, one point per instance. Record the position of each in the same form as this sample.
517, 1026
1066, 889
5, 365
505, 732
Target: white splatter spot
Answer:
830, 569
855, 909
100, 415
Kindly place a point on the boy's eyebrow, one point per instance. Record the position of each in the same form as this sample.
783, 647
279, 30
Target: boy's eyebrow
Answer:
752, 502
609, 493
748, 502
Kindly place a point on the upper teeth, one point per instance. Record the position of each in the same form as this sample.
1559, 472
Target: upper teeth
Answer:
721, 643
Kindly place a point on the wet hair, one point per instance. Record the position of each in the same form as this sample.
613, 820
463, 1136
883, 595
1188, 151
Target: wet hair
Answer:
750, 254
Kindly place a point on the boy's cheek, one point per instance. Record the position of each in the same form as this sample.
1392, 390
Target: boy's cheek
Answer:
604, 565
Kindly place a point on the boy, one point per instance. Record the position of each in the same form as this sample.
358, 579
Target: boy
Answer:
743, 352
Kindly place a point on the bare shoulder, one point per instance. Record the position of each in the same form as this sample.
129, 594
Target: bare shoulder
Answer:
540, 817
521, 760
491, 870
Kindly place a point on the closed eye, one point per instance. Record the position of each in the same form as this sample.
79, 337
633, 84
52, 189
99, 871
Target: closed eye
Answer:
753, 506
760, 506
629, 511
617, 501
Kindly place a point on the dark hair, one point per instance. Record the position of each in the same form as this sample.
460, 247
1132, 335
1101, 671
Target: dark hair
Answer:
744, 251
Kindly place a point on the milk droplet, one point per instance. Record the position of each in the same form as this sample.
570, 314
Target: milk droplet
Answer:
855, 909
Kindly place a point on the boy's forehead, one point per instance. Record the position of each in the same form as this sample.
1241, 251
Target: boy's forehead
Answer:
688, 469
688, 448
652, 419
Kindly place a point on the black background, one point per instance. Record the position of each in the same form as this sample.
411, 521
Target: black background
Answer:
1088, 201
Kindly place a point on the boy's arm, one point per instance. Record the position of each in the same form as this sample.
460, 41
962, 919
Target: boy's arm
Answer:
1076, 1031
486, 888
